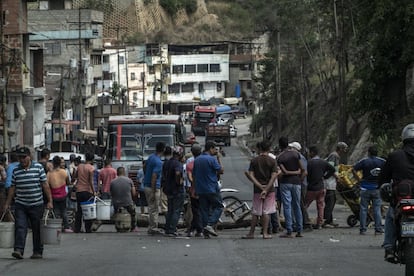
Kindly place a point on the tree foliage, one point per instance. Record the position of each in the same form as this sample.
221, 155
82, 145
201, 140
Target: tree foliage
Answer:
385, 51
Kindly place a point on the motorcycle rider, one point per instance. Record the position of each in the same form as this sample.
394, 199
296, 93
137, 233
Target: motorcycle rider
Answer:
398, 166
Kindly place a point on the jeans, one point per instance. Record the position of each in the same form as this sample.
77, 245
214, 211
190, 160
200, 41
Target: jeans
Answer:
368, 196
82, 197
211, 207
330, 200
153, 199
175, 206
291, 201
23, 214
390, 235
59, 208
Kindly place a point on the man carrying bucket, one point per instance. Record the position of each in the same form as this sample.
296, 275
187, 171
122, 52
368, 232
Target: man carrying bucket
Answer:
28, 178
84, 192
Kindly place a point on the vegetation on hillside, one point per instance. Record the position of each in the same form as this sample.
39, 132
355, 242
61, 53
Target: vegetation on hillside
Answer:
371, 40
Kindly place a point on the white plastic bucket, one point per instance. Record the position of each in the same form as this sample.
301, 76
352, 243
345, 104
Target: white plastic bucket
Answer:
103, 209
51, 231
88, 210
6, 234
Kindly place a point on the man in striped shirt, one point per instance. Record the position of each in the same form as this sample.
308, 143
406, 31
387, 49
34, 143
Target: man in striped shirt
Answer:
27, 187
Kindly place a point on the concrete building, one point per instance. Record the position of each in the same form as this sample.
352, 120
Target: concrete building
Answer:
72, 39
21, 80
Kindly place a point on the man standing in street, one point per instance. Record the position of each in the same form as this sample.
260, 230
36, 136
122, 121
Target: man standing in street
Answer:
318, 170
290, 187
330, 184
371, 168
27, 187
196, 224
85, 191
122, 191
262, 173
173, 187
106, 175
206, 170
152, 186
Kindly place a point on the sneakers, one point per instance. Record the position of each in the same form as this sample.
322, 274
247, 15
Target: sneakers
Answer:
390, 256
379, 232
36, 256
198, 235
18, 255
135, 230
330, 225
317, 226
67, 230
210, 230
299, 235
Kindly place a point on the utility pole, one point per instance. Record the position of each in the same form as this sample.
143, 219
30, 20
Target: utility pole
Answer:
3, 83
80, 74
61, 102
341, 71
143, 84
161, 86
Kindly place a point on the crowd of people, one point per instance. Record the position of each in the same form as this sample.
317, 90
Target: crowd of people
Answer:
289, 180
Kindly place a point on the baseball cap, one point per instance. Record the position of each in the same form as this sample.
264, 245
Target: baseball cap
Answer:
295, 145
23, 151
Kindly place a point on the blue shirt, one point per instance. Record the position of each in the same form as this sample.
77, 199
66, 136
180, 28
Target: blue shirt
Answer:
153, 166
205, 172
9, 172
371, 168
28, 184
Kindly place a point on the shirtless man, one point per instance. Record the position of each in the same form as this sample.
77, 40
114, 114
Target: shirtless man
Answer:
58, 181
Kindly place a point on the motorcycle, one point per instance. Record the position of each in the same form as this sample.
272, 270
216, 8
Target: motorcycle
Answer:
404, 220
404, 224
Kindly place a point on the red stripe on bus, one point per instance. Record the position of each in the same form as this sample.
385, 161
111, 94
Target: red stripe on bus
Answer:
118, 142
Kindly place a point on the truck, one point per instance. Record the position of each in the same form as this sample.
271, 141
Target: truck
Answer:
219, 134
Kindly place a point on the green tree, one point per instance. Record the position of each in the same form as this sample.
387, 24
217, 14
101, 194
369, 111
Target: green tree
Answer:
385, 51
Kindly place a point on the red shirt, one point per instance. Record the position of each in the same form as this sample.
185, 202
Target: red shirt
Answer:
106, 175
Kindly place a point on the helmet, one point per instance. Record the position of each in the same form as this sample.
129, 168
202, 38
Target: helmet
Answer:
408, 132
386, 192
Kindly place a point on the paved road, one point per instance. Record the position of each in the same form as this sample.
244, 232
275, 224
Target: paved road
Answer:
340, 251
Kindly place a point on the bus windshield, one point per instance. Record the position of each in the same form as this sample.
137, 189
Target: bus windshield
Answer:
135, 142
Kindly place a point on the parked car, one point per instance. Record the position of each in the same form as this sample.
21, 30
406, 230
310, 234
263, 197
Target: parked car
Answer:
233, 131
226, 118
241, 112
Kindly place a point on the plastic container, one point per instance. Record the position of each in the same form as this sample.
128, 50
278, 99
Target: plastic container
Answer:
103, 209
51, 229
6, 232
88, 209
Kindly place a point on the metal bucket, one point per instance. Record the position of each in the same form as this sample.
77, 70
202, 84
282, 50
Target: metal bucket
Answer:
122, 220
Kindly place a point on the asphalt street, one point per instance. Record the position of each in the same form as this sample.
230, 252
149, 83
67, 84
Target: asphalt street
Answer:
339, 251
